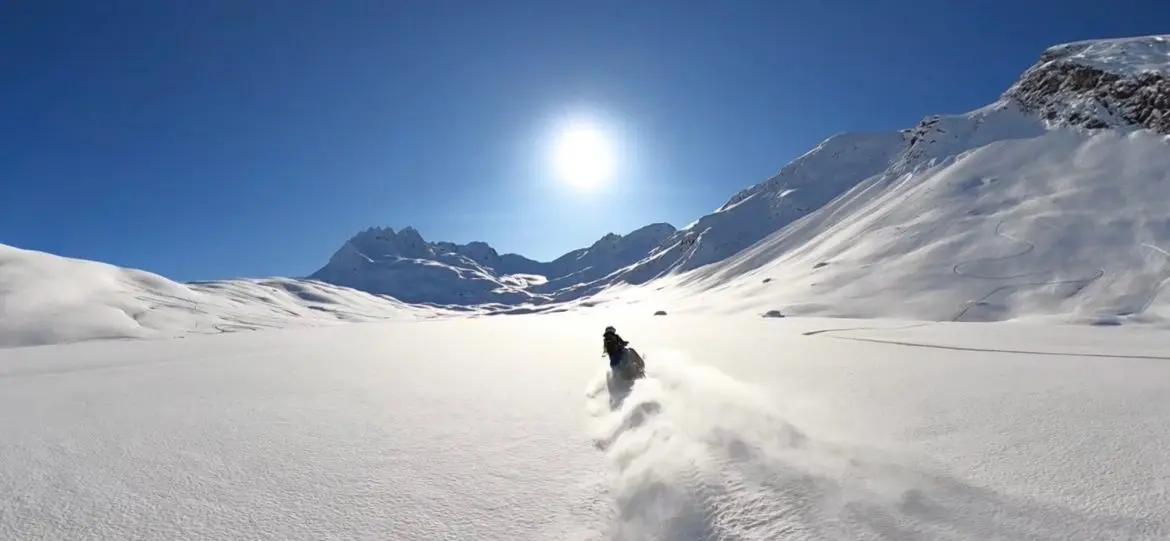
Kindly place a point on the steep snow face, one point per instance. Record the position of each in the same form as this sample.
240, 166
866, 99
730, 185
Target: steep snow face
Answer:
1101, 84
801, 187
48, 299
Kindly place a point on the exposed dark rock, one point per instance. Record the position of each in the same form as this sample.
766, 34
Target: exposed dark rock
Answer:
1064, 91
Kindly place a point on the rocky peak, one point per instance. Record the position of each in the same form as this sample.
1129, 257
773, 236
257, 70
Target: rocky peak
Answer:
1100, 84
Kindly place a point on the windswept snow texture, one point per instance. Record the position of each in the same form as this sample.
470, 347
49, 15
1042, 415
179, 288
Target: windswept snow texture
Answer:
48, 299
1123, 56
422, 430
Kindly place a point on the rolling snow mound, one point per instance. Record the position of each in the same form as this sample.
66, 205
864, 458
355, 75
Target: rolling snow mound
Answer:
47, 299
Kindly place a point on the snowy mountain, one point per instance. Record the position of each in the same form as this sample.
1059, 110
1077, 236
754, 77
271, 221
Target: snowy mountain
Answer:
404, 265
1048, 201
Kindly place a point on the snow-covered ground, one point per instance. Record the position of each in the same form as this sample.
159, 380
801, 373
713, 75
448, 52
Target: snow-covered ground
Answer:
503, 428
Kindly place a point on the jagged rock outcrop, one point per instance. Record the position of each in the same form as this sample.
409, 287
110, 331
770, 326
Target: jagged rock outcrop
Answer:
1100, 84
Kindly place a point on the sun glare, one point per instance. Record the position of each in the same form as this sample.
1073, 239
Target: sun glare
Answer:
583, 158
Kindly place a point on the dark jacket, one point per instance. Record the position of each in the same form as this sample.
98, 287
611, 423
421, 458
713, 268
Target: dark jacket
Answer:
613, 343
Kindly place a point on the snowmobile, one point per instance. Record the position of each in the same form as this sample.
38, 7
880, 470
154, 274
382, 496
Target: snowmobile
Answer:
631, 367
624, 361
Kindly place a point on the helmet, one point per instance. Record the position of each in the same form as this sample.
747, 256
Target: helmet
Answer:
610, 329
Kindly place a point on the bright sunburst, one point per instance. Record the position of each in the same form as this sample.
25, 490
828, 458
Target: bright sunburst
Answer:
582, 157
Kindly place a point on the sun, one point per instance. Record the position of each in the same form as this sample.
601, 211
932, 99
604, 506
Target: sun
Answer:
583, 158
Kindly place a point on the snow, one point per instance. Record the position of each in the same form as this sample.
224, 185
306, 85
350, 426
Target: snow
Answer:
746, 428
48, 299
1124, 56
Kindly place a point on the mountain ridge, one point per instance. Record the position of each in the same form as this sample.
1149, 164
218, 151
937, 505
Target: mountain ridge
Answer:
1087, 85
1046, 203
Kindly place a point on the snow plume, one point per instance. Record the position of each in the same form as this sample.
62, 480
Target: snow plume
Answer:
695, 454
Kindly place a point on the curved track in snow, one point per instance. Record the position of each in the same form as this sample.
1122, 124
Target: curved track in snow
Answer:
1029, 247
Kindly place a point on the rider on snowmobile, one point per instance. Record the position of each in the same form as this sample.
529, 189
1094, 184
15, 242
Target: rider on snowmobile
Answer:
613, 345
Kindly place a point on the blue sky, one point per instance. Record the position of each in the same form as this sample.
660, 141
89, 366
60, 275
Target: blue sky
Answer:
228, 138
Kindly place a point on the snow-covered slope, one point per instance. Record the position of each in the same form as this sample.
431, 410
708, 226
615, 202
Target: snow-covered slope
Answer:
745, 430
1065, 223
46, 299
804, 185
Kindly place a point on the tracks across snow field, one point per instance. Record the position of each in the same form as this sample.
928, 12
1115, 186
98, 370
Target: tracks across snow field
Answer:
1077, 284
834, 333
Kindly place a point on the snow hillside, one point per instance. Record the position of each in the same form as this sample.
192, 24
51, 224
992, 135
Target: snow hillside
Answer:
745, 429
1063, 223
47, 299
995, 214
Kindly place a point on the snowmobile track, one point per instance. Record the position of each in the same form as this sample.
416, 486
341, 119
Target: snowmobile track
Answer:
905, 343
